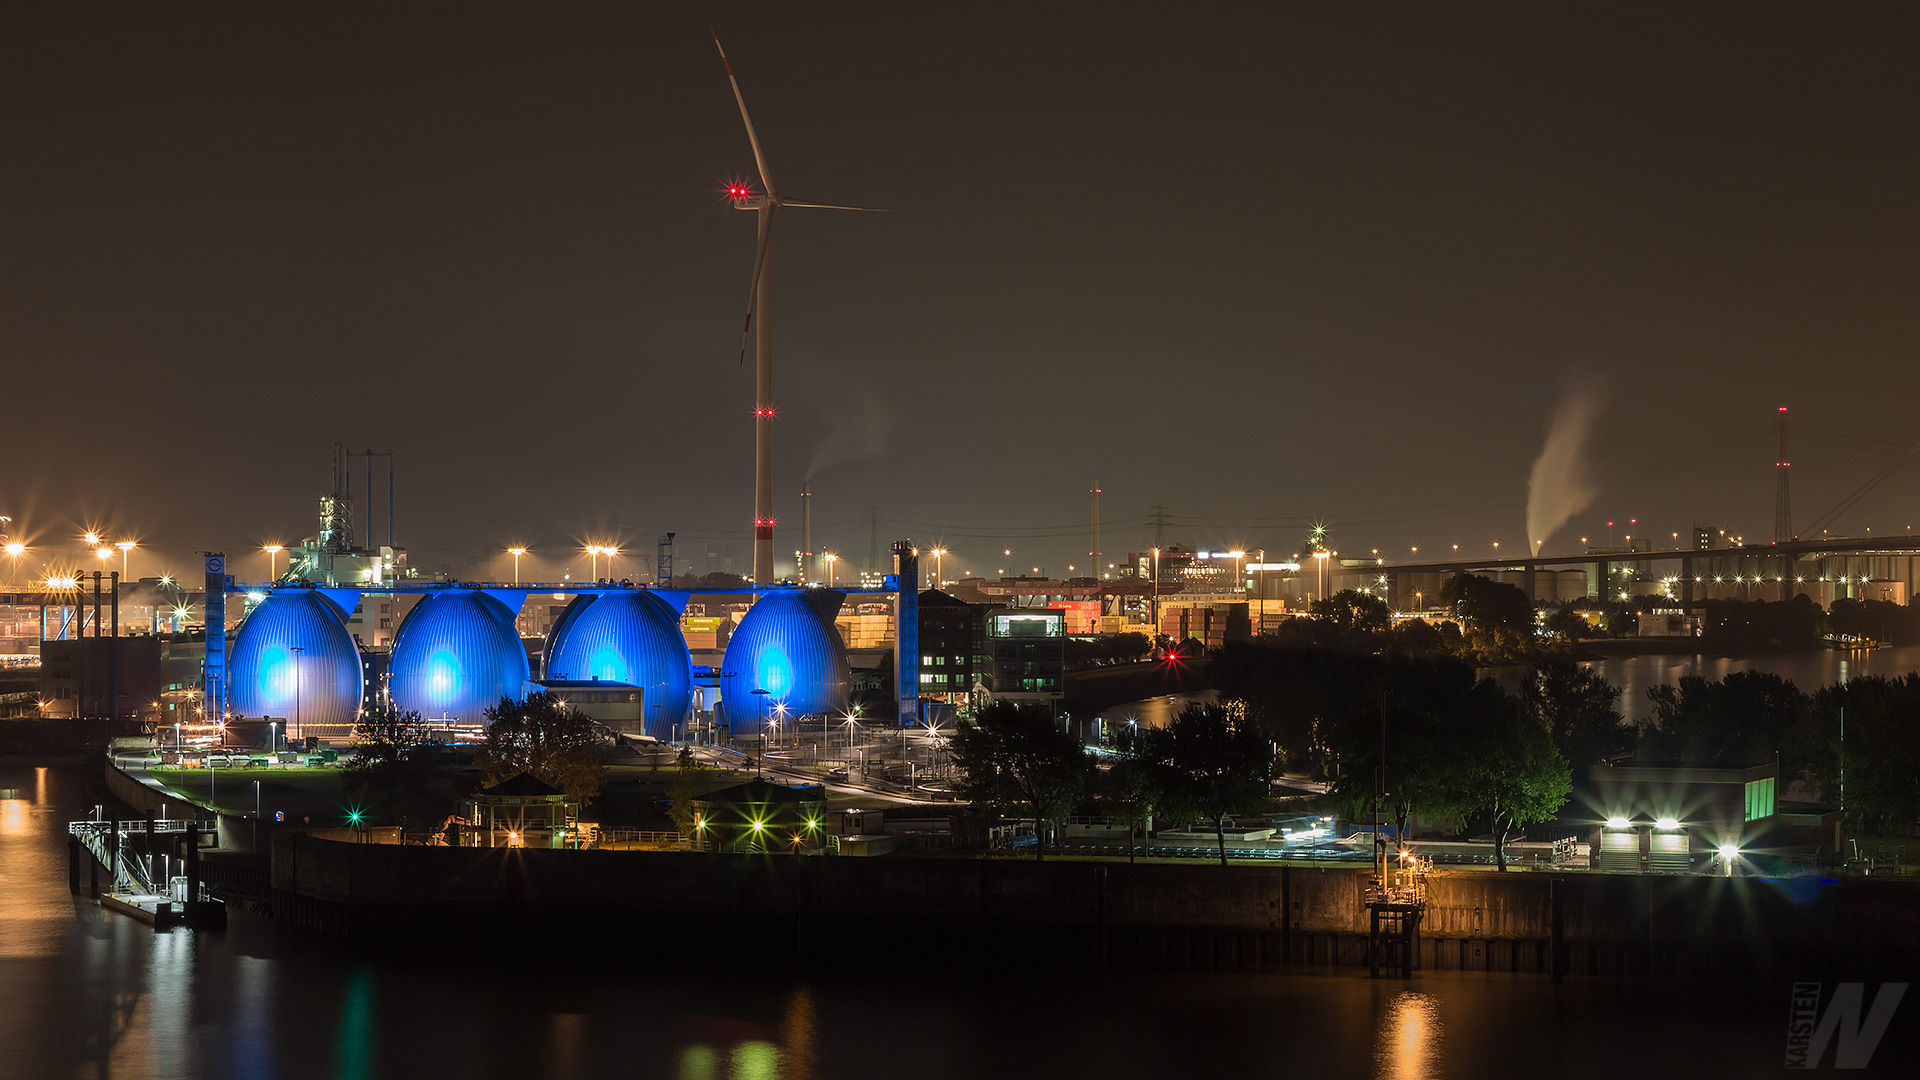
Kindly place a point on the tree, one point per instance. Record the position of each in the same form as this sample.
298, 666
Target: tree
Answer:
1427, 705
543, 737
1581, 710
386, 757
1511, 771
1210, 759
1567, 625
1126, 787
1744, 719
1354, 611
688, 785
1017, 758
1879, 758
1498, 616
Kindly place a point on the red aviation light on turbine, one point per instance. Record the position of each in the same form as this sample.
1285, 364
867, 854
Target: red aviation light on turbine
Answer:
738, 191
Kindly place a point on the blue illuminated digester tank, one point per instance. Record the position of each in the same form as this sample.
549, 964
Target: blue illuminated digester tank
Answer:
294, 658
631, 637
457, 654
788, 646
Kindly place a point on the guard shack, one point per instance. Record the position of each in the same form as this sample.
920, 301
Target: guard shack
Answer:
520, 811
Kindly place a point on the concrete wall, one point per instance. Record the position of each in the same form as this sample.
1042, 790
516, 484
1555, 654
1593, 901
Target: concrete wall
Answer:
1083, 913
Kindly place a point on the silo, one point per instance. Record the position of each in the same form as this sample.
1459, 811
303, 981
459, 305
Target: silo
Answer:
628, 636
458, 653
294, 658
787, 646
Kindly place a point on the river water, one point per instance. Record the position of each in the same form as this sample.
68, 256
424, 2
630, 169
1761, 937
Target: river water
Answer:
84, 993
1809, 671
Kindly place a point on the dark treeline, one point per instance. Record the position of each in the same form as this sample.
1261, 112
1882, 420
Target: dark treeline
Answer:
1325, 710
1344, 694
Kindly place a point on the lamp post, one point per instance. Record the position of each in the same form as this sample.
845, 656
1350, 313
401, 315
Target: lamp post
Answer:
1239, 583
831, 559
16, 549
273, 561
299, 714
939, 567
126, 547
516, 553
1262, 589
760, 707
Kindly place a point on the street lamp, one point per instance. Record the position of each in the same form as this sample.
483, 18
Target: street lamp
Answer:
760, 706
831, 559
516, 553
16, 549
939, 566
299, 714
593, 553
273, 561
1238, 584
125, 546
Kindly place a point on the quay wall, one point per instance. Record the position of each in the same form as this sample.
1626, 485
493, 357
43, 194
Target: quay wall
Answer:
1100, 914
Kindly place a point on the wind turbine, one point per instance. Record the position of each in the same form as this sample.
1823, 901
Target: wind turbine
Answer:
760, 301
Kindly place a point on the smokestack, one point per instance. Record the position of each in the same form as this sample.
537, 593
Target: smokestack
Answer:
806, 534
1095, 490
1782, 505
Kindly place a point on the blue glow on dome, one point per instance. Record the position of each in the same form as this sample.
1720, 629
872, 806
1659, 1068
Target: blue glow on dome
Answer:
787, 646
629, 636
608, 665
457, 654
293, 658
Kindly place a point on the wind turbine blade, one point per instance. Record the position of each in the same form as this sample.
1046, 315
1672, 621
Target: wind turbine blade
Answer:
831, 206
753, 288
760, 159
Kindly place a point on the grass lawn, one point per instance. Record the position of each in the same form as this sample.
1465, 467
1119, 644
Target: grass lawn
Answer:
307, 796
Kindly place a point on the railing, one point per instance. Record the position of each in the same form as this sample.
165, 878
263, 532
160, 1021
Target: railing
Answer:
638, 838
99, 838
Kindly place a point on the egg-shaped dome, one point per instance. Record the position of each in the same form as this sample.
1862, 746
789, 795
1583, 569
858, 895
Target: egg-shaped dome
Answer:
294, 658
787, 646
457, 654
627, 636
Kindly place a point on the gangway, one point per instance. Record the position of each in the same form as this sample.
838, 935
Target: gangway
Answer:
144, 884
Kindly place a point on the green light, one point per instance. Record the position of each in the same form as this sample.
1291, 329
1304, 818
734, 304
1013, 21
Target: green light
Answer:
353, 817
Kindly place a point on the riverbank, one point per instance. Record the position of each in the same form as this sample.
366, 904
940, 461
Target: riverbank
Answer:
1092, 917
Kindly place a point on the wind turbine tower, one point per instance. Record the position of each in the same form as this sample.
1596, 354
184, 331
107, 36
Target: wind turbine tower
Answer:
760, 301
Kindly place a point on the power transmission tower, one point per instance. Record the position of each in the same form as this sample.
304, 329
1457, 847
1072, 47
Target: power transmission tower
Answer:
1158, 519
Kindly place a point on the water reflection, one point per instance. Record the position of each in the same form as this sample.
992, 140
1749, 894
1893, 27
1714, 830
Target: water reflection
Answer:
797, 1033
1155, 712
1409, 1040
566, 1046
697, 1063
1635, 675
354, 1047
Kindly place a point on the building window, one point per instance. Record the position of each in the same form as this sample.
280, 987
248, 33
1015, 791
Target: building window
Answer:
1759, 798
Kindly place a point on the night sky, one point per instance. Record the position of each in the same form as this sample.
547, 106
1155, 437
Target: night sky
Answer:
1265, 264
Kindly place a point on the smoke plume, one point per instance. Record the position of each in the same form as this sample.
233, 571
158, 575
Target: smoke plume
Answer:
1560, 486
859, 426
